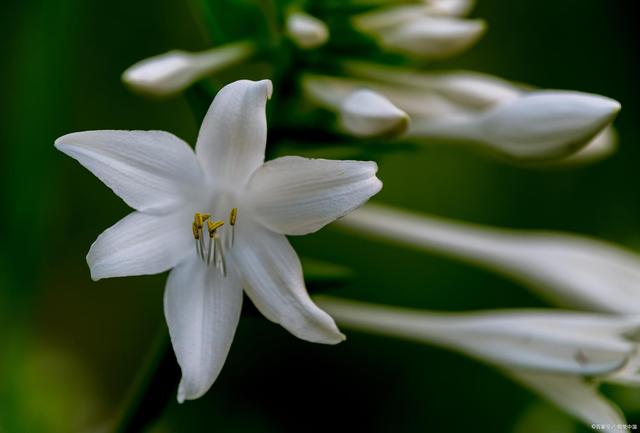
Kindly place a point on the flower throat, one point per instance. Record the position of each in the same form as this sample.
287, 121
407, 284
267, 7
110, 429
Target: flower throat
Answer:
212, 252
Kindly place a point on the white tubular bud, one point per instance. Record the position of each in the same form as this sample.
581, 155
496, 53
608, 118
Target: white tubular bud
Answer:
306, 31
366, 113
170, 73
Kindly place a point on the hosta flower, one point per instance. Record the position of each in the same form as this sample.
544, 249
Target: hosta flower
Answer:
569, 269
551, 352
218, 218
479, 110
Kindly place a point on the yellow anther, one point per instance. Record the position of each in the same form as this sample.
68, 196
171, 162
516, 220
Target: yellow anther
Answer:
213, 226
196, 231
205, 216
197, 219
233, 216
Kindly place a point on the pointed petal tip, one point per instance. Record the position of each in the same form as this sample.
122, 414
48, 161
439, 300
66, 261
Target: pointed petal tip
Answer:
367, 113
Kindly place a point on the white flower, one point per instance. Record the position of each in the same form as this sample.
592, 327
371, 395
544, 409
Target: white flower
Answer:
551, 352
170, 73
479, 110
306, 31
423, 31
569, 269
366, 113
243, 207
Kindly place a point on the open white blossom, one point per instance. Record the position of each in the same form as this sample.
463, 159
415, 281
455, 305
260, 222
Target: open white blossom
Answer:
306, 31
170, 73
569, 269
480, 110
218, 218
551, 352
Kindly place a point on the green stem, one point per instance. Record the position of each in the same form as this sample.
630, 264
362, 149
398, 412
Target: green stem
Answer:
150, 391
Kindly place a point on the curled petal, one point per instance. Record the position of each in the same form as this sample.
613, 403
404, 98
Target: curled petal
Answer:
141, 244
170, 73
271, 275
202, 309
233, 135
294, 195
152, 171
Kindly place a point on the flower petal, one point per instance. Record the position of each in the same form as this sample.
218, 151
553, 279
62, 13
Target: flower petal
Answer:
152, 171
141, 244
202, 309
294, 195
271, 275
233, 135
574, 395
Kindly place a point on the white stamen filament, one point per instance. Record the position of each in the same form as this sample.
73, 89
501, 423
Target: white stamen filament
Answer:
213, 252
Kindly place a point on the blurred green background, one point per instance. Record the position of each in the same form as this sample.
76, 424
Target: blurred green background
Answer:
70, 348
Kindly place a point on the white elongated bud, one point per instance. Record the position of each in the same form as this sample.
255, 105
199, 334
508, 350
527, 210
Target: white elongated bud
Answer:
572, 270
540, 125
455, 8
431, 37
306, 31
366, 113
170, 73
469, 90
388, 17
548, 351
542, 340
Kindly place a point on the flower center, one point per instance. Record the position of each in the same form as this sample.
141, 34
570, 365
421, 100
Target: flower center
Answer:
211, 252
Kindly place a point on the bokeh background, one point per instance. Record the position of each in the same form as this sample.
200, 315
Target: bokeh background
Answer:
70, 348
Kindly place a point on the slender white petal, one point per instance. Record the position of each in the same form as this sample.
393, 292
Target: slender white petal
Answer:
271, 275
170, 73
306, 31
539, 125
202, 309
233, 135
141, 244
295, 196
432, 37
574, 395
152, 171
369, 114
573, 270
560, 342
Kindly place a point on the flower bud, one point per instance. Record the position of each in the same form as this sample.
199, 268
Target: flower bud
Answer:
568, 269
540, 125
170, 73
368, 114
306, 31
